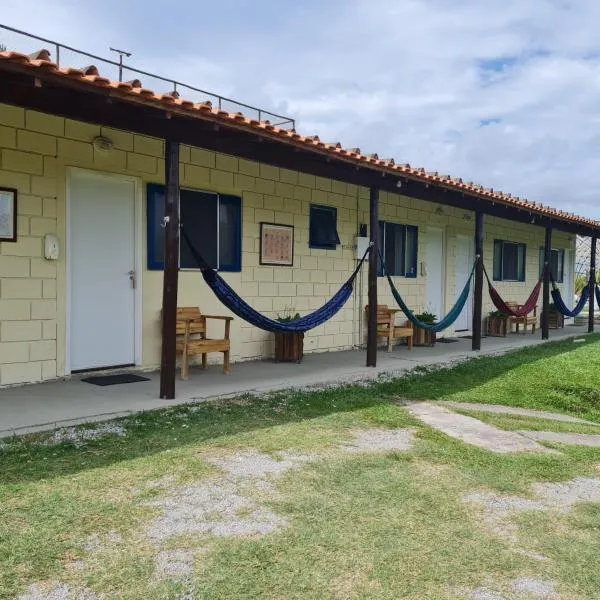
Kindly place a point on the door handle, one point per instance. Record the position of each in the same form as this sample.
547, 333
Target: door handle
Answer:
132, 278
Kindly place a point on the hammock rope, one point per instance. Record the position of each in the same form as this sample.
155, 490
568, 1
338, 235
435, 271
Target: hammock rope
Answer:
442, 324
242, 309
525, 309
597, 290
560, 304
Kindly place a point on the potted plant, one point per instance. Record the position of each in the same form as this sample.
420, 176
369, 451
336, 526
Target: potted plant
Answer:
289, 347
497, 323
424, 337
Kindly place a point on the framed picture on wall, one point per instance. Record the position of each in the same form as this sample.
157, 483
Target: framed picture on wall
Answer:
8, 215
276, 244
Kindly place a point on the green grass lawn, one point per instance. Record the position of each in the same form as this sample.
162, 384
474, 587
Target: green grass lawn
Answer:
366, 525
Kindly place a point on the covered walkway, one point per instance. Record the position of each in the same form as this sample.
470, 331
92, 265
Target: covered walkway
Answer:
47, 405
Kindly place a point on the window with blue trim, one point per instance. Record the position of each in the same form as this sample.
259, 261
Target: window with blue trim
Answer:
213, 222
399, 246
323, 227
509, 261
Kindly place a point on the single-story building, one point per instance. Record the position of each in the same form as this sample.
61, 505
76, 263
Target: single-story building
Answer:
85, 160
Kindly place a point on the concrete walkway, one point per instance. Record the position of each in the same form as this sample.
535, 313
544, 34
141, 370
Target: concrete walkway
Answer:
44, 406
473, 431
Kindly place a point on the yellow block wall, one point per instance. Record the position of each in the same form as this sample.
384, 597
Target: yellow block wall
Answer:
36, 151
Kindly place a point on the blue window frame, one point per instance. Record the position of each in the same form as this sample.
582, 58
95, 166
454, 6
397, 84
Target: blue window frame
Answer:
509, 261
399, 246
323, 227
213, 222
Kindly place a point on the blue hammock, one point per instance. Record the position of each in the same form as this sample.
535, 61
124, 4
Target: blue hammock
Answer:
562, 307
243, 310
443, 323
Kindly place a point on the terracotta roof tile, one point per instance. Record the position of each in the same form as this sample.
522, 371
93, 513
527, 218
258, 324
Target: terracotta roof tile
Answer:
90, 76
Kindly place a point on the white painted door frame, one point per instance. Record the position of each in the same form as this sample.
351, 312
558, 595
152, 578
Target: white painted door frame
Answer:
442, 290
459, 284
137, 233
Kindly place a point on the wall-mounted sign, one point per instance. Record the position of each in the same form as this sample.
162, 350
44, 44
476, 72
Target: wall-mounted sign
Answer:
276, 244
8, 215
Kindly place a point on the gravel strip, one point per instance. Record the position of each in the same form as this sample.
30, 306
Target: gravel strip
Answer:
563, 496
380, 440
215, 507
254, 464
78, 436
56, 591
538, 588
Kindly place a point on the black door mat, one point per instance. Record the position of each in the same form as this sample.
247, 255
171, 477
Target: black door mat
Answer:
446, 340
103, 380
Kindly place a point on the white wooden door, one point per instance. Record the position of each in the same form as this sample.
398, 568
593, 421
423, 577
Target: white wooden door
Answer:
463, 266
102, 271
435, 272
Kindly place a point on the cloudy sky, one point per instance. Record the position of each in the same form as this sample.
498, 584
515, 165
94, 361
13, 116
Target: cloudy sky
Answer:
502, 92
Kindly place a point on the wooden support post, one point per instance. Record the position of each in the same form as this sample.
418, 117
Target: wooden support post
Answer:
373, 263
478, 287
592, 285
546, 285
171, 271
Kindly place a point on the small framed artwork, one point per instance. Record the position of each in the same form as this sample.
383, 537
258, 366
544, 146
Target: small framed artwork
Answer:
276, 244
8, 215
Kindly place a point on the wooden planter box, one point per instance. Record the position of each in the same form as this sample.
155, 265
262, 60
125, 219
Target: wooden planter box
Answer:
422, 337
289, 347
497, 326
556, 319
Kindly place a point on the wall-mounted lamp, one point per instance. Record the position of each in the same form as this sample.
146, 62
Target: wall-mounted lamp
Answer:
102, 144
399, 183
532, 219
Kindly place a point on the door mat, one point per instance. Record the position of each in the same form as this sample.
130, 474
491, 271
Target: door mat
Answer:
446, 340
103, 380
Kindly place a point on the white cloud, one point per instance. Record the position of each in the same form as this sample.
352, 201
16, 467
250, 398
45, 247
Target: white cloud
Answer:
503, 92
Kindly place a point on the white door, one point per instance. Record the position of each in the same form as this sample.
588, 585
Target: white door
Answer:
463, 266
569, 294
435, 272
102, 270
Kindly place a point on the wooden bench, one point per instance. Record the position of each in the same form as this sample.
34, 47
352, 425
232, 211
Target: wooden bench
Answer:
387, 328
191, 338
530, 319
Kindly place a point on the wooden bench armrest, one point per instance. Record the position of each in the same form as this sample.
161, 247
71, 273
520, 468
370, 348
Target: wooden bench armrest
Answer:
222, 318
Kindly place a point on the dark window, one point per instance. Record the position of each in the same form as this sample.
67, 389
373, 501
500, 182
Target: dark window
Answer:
323, 227
398, 245
212, 221
509, 261
557, 264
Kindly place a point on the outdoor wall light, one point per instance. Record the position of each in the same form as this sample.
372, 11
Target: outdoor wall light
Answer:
102, 144
399, 183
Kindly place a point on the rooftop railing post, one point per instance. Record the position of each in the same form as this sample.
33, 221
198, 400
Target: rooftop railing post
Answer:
592, 284
546, 284
372, 278
171, 271
478, 284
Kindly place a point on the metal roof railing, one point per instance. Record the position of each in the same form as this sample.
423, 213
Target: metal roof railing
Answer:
194, 94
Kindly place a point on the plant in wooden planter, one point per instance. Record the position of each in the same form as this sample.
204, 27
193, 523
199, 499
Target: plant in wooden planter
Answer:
289, 347
555, 318
424, 337
497, 323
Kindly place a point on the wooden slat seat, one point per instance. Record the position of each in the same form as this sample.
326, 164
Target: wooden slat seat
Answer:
387, 328
191, 338
530, 319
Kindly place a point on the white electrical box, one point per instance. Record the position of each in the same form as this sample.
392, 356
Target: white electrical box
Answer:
362, 245
50, 247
